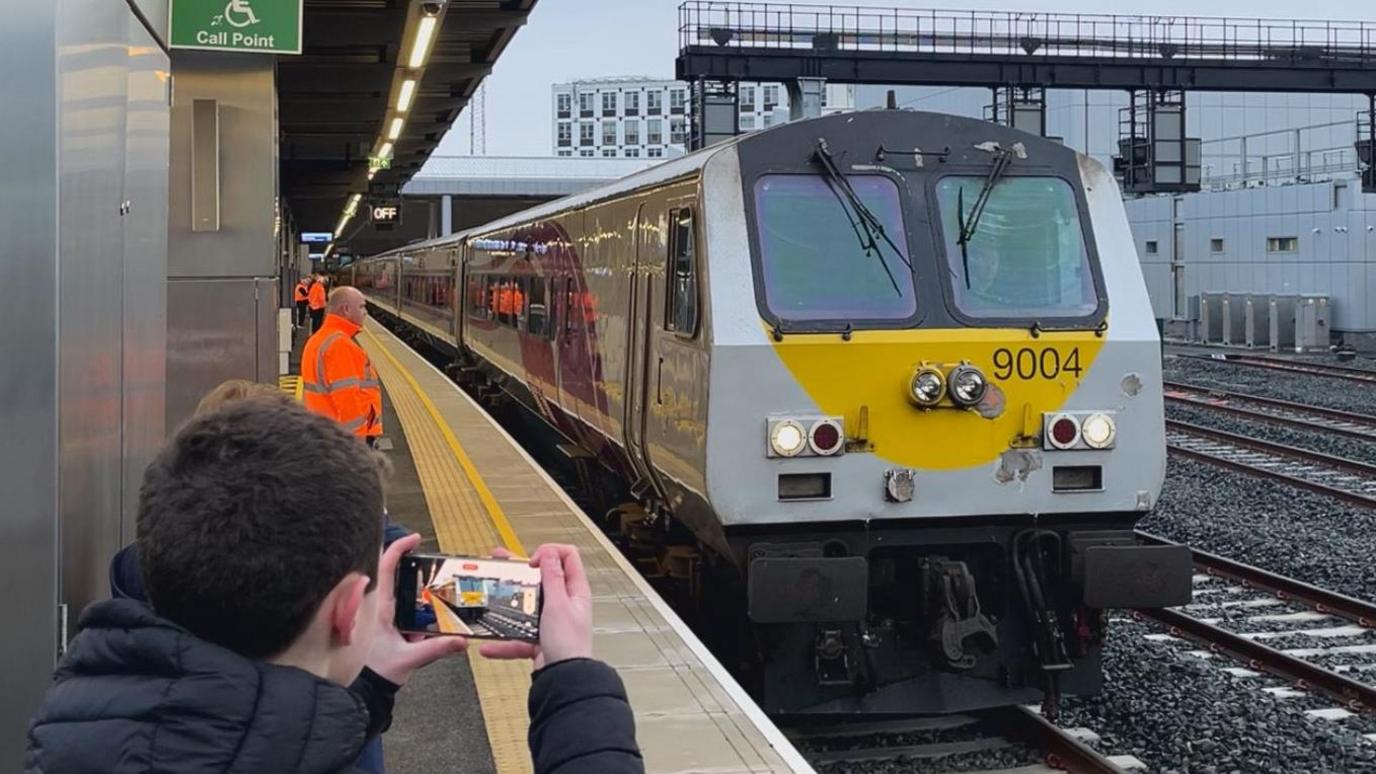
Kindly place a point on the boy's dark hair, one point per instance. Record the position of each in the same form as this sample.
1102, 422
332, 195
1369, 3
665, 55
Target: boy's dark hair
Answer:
250, 516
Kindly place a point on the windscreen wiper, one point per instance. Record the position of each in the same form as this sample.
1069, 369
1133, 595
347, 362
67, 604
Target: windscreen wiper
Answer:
968, 224
865, 224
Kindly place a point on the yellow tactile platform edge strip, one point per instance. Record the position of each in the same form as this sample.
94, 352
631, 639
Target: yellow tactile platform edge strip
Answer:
467, 520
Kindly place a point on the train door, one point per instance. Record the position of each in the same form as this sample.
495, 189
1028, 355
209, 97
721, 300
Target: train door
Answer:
639, 323
461, 298
572, 359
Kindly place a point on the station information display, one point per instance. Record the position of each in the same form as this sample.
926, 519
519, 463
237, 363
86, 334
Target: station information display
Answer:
262, 26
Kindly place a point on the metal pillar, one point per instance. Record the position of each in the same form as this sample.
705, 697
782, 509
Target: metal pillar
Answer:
715, 113
805, 97
446, 215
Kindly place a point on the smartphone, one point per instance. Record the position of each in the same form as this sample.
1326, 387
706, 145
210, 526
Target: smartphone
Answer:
487, 599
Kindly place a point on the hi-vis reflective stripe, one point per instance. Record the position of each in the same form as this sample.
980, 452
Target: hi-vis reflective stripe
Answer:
357, 423
321, 380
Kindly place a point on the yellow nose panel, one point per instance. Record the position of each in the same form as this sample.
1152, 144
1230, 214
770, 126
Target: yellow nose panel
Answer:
874, 368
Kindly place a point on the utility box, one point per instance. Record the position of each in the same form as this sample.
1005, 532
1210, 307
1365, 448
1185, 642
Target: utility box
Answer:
1311, 323
1258, 319
1211, 318
1234, 316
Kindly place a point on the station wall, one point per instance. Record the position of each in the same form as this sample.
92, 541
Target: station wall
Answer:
83, 210
1238, 241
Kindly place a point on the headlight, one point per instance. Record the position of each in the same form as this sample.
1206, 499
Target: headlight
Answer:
967, 385
927, 387
787, 438
1098, 431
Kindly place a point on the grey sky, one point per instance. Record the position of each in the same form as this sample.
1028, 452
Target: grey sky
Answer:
570, 39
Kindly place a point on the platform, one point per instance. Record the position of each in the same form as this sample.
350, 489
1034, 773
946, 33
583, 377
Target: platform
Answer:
481, 490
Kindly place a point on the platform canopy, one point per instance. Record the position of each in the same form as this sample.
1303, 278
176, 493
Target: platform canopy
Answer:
380, 80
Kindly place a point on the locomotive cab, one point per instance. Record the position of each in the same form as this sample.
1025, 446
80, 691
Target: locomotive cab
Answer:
954, 402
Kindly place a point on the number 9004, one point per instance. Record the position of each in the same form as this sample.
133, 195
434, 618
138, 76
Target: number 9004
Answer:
1029, 363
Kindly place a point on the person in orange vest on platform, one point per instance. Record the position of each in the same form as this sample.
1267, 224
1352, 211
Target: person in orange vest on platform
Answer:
302, 297
337, 377
316, 300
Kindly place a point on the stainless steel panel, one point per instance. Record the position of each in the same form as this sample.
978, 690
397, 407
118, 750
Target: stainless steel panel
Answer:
92, 67
145, 262
244, 88
205, 165
155, 13
28, 382
217, 329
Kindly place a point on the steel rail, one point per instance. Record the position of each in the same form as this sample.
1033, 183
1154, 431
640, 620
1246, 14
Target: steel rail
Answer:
1283, 412
1294, 366
1279, 453
1062, 750
1303, 674
1322, 600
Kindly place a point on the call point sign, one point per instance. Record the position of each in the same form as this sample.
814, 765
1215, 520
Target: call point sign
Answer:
385, 213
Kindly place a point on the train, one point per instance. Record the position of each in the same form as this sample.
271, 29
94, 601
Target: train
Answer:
889, 379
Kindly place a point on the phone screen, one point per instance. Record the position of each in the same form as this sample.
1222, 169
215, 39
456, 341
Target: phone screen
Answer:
491, 599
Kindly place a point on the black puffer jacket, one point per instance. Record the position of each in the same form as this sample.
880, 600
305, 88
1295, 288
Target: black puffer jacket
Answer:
137, 694
580, 721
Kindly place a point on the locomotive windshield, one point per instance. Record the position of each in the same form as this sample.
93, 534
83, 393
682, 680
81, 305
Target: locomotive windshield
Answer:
1027, 260
819, 262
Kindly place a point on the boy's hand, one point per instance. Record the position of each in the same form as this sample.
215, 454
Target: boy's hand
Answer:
393, 655
565, 619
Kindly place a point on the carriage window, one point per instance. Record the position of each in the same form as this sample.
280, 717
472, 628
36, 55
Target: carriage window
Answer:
1027, 258
818, 262
681, 312
537, 317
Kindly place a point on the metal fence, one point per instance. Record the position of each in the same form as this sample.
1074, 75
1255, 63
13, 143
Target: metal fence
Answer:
868, 28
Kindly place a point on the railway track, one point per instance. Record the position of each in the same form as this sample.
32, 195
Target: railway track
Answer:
1273, 410
1303, 674
1011, 730
1294, 366
1347, 480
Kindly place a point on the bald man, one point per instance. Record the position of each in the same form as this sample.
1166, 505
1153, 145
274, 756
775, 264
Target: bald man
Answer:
339, 380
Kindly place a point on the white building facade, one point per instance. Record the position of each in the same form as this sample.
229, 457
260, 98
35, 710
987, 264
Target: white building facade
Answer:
641, 117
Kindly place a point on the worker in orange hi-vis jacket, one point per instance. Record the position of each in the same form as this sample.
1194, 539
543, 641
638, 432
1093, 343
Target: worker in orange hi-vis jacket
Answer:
338, 379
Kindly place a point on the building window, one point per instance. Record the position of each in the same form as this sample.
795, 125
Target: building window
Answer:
586, 153
632, 153
767, 120
676, 98
565, 104
747, 123
632, 103
747, 95
585, 105
585, 133
681, 311
1151, 247
608, 132
632, 132
677, 131
1282, 244
654, 134
1215, 245
824, 96
566, 152
655, 153
609, 103
771, 97
652, 100
565, 133
609, 153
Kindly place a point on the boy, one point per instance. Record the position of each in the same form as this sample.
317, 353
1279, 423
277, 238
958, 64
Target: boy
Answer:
259, 544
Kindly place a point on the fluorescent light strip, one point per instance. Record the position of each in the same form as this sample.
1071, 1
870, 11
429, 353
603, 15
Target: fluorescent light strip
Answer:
425, 32
405, 95
395, 130
385, 152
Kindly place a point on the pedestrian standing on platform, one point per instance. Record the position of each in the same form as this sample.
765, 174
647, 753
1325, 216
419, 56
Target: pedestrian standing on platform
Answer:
302, 297
315, 299
337, 378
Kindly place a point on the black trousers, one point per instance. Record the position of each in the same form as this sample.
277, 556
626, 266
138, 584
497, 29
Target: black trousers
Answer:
317, 319
302, 313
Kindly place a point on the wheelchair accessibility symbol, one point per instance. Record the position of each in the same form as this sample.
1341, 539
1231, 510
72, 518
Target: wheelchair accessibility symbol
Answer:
239, 14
